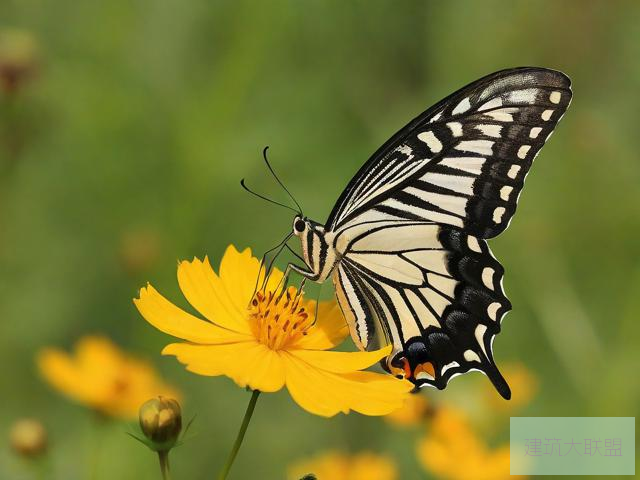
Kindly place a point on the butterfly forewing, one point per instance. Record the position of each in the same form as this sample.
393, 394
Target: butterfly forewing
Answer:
463, 162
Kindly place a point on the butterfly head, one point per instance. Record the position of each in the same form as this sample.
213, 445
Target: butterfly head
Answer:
300, 225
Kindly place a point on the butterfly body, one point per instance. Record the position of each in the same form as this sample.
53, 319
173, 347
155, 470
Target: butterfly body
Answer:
405, 244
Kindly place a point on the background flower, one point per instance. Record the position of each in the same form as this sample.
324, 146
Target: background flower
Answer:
414, 412
342, 466
270, 340
101, 376
452, 449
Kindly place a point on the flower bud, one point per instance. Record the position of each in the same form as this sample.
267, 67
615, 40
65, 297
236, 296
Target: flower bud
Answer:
28, 437
18, 58
161, 422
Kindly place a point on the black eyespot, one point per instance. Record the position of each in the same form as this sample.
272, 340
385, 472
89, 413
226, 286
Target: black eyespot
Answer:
299, 226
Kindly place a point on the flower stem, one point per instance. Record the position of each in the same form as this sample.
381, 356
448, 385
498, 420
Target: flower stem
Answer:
164, 465
243, 429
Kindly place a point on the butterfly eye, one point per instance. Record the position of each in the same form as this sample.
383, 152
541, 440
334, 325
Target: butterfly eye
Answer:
299, 226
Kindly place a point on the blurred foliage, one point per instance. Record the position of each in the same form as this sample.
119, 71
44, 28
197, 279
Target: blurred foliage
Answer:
140, 118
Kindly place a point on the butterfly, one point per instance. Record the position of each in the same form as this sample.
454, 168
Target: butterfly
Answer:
406, 243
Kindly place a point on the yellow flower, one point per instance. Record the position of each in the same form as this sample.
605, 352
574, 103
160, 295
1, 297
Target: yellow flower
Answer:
338, 466
413, 412
102, 377
270, 340
454, 451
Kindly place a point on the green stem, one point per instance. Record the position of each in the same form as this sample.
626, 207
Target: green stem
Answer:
243, 429
164, 465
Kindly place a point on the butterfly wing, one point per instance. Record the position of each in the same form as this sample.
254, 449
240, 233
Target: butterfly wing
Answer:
409, 228
433, 292
462, 162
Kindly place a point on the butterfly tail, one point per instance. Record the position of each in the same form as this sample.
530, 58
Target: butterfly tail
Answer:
498, 380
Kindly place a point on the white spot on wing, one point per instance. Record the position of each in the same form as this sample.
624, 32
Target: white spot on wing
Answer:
487, 277
513, 171
546, 115
462, 107
492, 310
423, 376
479, 334
490, 130
451, 203
555, 97
448, 366
471, 356
535, 131
431, 140
466, 164
493, 103
502, 115
456, 128
497, 214
406, 149
452, 182
473, 244
523, 96
436, 117
483, 147
522, 152
505, 192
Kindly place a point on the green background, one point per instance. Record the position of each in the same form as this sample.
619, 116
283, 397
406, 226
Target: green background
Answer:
146, 114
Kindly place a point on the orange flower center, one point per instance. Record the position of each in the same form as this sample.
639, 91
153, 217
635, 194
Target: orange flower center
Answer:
277, 319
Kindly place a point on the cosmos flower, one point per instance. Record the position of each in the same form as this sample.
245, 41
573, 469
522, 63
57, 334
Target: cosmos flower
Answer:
339, 466
270, 340
453, 450
414, 412
101, 376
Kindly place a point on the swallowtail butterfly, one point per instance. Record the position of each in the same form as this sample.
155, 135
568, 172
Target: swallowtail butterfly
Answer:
406, 243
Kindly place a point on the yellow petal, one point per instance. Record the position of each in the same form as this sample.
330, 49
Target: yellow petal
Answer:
248, 364
239, 272
58, 369
207, 294
326, 394
165, 316
329, 330
340, 362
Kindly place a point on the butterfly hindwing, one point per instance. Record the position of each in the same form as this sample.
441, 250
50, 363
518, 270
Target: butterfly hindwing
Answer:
433, 292
462, 162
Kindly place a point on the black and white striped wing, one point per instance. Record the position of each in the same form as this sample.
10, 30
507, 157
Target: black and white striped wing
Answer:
433, 292
462, 162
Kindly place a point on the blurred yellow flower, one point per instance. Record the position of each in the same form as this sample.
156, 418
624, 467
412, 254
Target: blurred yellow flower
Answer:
101, 376
413, 412
339, 466
270, 340
524, 386
454, 451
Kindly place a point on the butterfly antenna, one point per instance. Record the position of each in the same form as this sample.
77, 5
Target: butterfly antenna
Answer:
266, 160
242, 182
